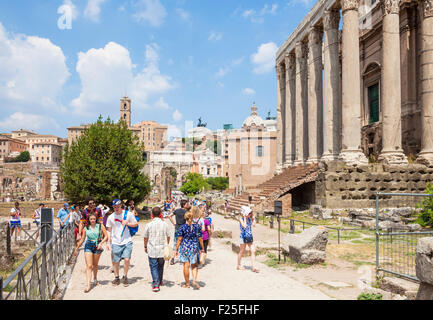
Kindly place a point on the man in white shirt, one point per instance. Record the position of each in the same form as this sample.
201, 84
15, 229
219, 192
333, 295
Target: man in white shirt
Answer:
156, 235
120, 239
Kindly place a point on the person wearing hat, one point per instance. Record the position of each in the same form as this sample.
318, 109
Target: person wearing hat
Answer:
63, 216
120, 240
246, 222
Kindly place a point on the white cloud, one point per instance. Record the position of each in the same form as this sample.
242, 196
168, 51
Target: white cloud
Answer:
161, 104
20, 120
238, 61
173, 131
264, 59
306, 3
248, 91
32, 73
215, 36
177, 116
151, 11
222, 72
183, 14
107, 73
93, 9
258, 17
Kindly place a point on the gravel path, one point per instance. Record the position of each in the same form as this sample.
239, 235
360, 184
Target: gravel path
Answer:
218, 279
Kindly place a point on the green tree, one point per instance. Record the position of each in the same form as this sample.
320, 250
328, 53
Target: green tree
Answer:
23, 157
218, 183
105, 163
194, 184
425, 217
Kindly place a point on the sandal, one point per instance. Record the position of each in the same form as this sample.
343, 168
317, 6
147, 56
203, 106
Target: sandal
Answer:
256, 270
196, 286
240, 268
185, 286
86, 290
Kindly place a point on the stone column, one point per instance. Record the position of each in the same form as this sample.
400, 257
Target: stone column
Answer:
290, 145
392, 151
315, 95
351, 152
280, 105
426, 154
332, 87
301, 103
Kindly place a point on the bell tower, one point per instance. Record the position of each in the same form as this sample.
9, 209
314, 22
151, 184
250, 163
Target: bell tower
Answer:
125, 110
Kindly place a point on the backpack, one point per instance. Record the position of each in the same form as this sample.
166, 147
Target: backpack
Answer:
132, 231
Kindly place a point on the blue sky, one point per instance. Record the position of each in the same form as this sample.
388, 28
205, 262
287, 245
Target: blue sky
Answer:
64, 62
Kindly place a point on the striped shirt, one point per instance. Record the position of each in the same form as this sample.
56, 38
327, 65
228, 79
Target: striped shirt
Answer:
157, 233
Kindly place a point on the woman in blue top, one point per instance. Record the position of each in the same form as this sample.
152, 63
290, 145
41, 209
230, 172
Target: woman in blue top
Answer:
96, 235
188, 242
246, 222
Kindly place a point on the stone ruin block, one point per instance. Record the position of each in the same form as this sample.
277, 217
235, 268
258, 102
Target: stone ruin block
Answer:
424, 268
307, 247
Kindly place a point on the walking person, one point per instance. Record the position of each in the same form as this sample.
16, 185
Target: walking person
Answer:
37, 219
15, 220
205, 231
179, 214
75, 219
63, 216
189, 245
96, 235
246, 222
91, 207
156, 235
121, 240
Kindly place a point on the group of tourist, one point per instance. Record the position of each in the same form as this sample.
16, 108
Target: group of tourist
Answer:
95, 227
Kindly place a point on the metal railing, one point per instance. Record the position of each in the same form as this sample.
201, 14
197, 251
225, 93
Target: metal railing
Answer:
396, 248
38, 276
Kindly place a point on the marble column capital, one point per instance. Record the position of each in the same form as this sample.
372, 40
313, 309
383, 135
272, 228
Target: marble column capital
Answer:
331, 19
290, 60
301, 50
390, 6
427, 7
349, 5
315, 35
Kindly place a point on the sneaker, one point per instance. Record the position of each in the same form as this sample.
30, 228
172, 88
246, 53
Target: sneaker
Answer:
155, 289
125, 281
172, 261
116, 281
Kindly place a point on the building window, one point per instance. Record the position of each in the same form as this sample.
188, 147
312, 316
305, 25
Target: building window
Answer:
259, 151
373, 102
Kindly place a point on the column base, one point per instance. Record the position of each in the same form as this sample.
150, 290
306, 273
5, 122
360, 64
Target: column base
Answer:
425, 158
393, 157
329, 157
353, 157
313, 160
298, 162
288, 164
278, 169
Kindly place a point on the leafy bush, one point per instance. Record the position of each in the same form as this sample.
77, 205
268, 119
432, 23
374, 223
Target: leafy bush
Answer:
425, 217
194, 184
218, 183
23, 157
370, 296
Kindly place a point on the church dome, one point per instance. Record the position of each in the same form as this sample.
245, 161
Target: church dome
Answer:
254, 119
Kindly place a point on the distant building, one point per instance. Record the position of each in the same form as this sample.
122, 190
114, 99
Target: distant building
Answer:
10, 147
152, 134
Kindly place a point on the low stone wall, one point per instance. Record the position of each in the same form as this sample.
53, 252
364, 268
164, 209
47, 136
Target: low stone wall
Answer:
341, 186
395, 218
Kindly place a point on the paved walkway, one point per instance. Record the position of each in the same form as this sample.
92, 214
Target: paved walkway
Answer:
218, 279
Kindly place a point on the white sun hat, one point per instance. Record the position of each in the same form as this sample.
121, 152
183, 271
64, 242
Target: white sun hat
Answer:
245, 210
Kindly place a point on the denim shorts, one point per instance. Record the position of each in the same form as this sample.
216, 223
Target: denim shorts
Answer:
121, 252
90, 246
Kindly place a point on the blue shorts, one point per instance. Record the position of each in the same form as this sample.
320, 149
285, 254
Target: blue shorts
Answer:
16, 224
90, 246
192, 258
176, 235
121, 252
38, 223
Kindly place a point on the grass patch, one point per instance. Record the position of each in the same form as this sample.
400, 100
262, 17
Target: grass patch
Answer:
370, 296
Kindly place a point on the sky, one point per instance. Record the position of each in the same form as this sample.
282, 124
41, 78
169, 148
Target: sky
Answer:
65, 62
